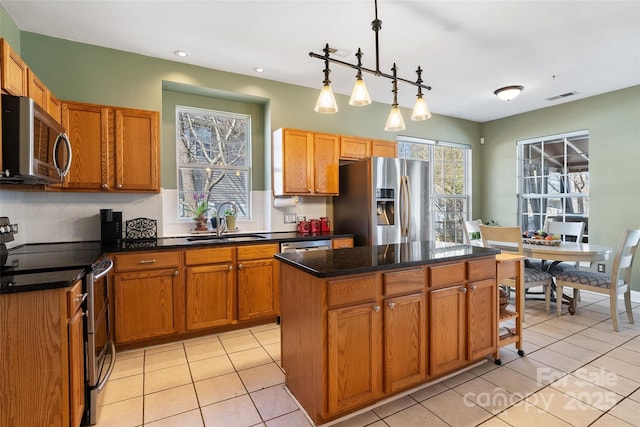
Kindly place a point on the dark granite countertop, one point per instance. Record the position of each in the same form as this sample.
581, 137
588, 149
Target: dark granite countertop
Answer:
40, 266
363, 259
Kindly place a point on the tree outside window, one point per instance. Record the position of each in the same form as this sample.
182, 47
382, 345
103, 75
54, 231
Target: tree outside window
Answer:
213, 160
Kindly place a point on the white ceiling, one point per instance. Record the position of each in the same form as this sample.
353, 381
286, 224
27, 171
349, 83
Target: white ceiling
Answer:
467, 49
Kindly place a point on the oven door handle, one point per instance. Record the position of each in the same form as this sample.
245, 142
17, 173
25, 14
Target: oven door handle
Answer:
103, 382
103, 268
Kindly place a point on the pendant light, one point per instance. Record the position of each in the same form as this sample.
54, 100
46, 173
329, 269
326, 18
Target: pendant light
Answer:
359, 94
395, 122
420, 108
326, 103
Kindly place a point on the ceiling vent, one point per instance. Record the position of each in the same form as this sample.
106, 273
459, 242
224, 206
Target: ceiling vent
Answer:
562, 95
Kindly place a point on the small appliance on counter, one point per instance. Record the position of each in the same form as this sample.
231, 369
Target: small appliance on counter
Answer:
110, 227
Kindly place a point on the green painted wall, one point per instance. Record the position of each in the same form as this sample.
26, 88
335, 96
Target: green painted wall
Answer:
613, 121
9, 30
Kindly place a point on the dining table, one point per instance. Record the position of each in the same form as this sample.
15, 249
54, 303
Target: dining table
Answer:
552, 254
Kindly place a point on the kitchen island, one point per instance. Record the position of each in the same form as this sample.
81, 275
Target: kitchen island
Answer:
362, 324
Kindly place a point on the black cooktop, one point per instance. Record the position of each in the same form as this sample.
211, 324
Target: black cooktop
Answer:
47, 265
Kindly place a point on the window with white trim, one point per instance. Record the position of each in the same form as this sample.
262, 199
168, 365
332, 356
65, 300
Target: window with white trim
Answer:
449, 183
213, 150
553, 179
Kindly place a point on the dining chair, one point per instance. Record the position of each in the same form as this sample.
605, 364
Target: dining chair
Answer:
472, 226
509, 239
613, 285
569, 232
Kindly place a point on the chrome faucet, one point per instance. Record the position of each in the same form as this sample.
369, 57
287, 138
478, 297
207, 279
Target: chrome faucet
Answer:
220, 228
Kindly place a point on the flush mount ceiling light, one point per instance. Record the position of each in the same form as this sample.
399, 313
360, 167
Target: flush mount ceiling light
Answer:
360, 96
181, 53
508, 93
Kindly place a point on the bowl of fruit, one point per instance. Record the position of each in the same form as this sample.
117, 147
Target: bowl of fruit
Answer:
541, 238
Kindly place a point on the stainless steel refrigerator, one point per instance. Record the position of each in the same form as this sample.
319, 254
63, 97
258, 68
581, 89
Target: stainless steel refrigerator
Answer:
383, 200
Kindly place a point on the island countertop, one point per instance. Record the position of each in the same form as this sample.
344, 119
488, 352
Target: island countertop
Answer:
362, 259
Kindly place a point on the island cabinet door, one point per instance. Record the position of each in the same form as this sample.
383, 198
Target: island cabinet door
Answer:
448, 329
482, 318
209, 296
405, 342
354, 357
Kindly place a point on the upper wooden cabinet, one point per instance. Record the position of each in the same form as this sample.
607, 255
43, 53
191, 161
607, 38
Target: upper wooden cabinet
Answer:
14, 71
305, 163
36, 90
354, 148
114, 149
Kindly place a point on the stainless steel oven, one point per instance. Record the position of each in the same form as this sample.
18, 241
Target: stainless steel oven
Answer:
101, 352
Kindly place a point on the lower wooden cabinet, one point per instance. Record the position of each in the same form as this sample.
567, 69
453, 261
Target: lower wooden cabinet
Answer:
448, 320
354, 357
210, 283
258, 282
42, 358
149, 295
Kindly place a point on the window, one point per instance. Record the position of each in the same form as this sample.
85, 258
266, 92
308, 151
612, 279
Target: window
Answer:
213, 150
450, 183
553, 179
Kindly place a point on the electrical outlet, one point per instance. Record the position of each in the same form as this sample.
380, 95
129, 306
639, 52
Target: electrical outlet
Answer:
600, 268
289, 218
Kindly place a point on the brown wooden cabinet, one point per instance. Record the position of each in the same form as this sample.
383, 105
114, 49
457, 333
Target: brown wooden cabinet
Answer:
258, 282
342, 242
405, 329
462, 309
13, 75
37, 90
355, 148
42, 358
114, 149
149, 295
305, 163
210, 286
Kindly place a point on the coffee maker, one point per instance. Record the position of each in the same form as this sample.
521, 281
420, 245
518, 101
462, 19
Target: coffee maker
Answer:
110, 227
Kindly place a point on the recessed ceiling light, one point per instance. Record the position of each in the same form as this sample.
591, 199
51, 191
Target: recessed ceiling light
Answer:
181, 53
260, 70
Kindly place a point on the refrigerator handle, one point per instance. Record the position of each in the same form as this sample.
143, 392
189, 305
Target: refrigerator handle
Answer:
404, 206
407, 206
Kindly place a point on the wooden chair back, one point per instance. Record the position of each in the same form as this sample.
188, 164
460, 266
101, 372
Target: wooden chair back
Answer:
571, 229
472, 226
508, 239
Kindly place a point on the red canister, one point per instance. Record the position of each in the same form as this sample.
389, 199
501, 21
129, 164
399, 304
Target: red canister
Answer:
303, 226
314, 225
324, 224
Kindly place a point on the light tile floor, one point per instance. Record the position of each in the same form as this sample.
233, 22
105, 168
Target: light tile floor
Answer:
577, 372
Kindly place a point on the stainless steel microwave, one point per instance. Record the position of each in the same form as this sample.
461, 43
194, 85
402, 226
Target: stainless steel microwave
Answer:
35, 147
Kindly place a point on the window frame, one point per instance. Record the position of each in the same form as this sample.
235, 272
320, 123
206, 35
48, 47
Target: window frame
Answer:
218, 197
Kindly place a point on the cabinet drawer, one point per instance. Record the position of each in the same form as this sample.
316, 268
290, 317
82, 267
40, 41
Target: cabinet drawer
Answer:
406, 281
342, 242
449, 274
257, 251
481, 269
146, 261
208, 255
352, 290
75, 297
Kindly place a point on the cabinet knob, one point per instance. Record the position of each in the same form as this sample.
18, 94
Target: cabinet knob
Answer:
473, 287
376, 308
239, 266
230, 267
104, 185
392, 305
119, 185
80, 297
309, 190
176, 273
317, 190
463, 290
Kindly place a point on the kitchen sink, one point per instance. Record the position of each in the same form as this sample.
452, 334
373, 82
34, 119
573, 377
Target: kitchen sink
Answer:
228, 238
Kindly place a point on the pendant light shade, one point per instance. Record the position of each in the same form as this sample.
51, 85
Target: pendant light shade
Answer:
326, 103
395, 122
359, 94
420, 110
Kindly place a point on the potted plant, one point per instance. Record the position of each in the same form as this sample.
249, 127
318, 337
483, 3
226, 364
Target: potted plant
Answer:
199, 207
230, 219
